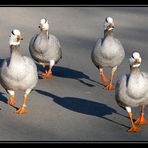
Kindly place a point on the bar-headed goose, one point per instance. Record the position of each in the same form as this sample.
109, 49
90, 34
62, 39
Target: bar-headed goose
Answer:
108, 52
18, 72
132, 91
45, 48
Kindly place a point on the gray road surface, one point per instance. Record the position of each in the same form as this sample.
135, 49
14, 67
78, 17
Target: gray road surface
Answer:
72, 106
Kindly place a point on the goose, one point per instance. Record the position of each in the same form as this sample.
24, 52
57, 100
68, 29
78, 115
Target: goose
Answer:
108, 52
18, 72
45, 48
132, 90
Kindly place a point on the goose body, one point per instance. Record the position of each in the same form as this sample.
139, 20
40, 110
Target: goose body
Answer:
45, 48
18, 72
108, 52
132, 91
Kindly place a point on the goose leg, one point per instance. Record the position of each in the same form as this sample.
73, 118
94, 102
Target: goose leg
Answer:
22, 109
133, 128
11, 100
103, 77
48, 73
110, 85
43, 65
141, 120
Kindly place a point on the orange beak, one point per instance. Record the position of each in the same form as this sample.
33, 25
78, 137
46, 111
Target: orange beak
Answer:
19, 37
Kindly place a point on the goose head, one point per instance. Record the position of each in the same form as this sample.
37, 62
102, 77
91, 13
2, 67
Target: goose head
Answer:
108, 23
44, 25
135, 59
15, 37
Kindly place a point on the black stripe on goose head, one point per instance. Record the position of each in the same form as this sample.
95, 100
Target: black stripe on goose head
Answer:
12, 32
46, 20
132, 55
106, 19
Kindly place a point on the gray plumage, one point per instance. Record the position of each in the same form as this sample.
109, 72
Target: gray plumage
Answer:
132, 89
44, 47
18, 72
108, 52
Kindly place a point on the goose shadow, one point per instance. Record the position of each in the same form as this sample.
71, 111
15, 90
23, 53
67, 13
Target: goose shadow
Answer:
83, 106
1, 62
65, 72
3, 98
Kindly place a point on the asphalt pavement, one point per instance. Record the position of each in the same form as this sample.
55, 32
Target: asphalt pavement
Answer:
73, 106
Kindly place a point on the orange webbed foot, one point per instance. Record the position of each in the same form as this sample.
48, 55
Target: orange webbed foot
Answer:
21, 110
134, 129
109, 87
141, 120
47, 74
